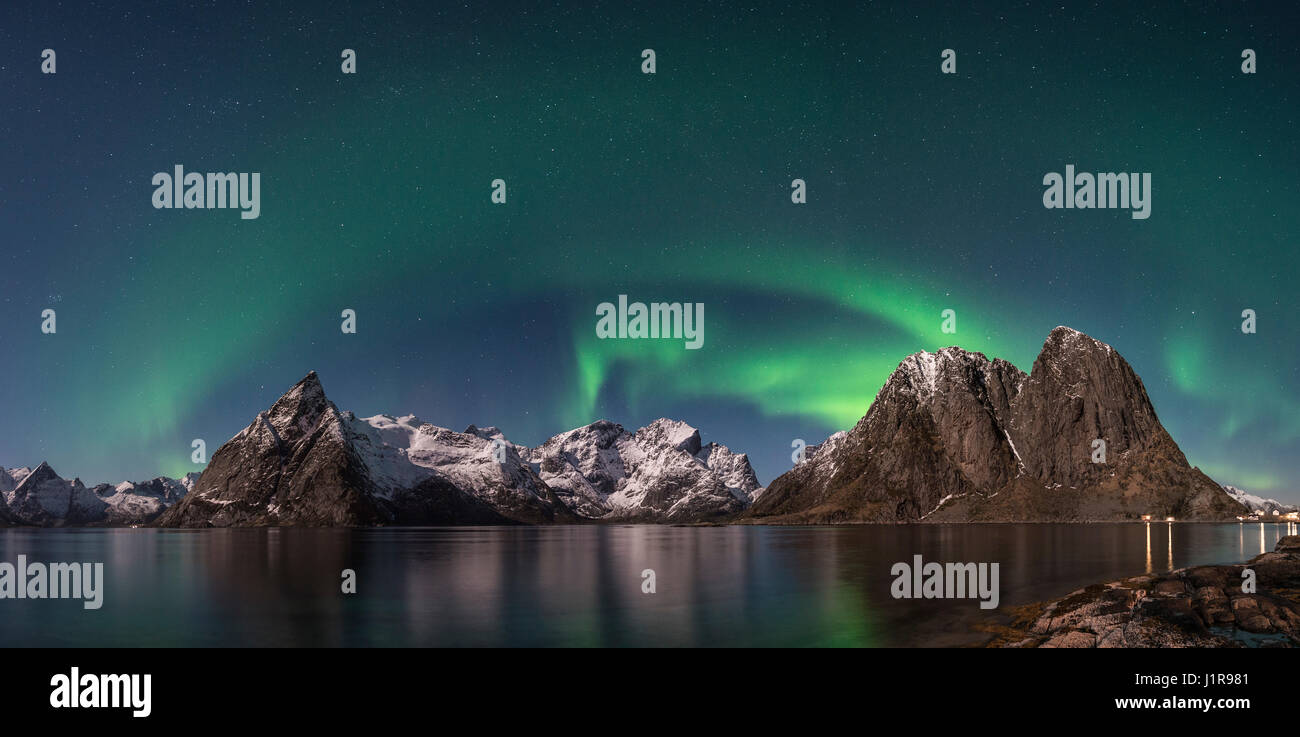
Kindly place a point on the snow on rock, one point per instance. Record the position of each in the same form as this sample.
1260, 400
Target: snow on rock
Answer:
1258, 504
17, 475
139, 502
403, 452
43, 498
305, 462
661, 472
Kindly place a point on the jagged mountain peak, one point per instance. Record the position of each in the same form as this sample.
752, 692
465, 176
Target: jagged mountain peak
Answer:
39, 475
1081, 391
660, 472
925, 375
44, 498
302, 405
671, 433
601, 432
1066, 348
491, 432
1068, 336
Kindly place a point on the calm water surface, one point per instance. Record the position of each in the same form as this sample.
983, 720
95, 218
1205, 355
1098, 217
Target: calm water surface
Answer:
575, 586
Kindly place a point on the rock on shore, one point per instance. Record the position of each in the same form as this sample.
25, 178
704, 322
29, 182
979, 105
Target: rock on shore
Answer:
1203, 606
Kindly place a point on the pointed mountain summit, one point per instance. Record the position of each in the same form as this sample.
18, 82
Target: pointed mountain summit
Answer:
954, 436
304, 462
292, 464
44, 499
1081, 390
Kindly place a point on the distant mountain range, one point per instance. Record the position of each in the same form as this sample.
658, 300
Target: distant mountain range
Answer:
1259, 505
952, 436
40, 497
305, 462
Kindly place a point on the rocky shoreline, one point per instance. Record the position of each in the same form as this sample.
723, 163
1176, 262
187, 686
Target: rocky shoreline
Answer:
1203, 606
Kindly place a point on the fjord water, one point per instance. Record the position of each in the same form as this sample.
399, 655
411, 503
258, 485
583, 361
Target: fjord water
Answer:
575, 585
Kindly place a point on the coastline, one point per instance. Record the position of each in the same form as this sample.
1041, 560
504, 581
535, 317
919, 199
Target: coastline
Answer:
1251, 604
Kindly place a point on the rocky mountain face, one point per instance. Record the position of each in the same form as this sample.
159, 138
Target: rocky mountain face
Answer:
40, 497
303, 462
954, 436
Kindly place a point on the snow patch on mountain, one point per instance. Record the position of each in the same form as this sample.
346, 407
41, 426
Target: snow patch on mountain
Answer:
1258, 504
43, 498
662, 471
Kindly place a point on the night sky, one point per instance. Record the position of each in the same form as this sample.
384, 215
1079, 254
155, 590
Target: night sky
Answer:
924, 194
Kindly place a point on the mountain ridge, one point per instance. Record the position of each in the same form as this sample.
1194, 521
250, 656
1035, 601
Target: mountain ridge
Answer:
305, 462
951, 436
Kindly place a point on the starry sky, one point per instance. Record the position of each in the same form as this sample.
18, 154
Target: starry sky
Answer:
924, 194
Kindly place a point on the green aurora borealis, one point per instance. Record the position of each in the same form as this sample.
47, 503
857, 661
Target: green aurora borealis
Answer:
924, 194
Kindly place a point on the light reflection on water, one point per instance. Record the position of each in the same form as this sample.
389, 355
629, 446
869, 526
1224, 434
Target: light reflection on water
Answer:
575, 585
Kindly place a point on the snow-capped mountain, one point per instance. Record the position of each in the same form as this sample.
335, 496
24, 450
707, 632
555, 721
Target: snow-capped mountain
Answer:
43, 498
138, 502
10, 478
954, 436
305, 462
1258, 504
40, 497
406, 458
661, 472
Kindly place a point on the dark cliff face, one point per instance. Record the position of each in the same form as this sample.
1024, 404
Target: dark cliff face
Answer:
954, 436
1079, 391
290, 466
935, 430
